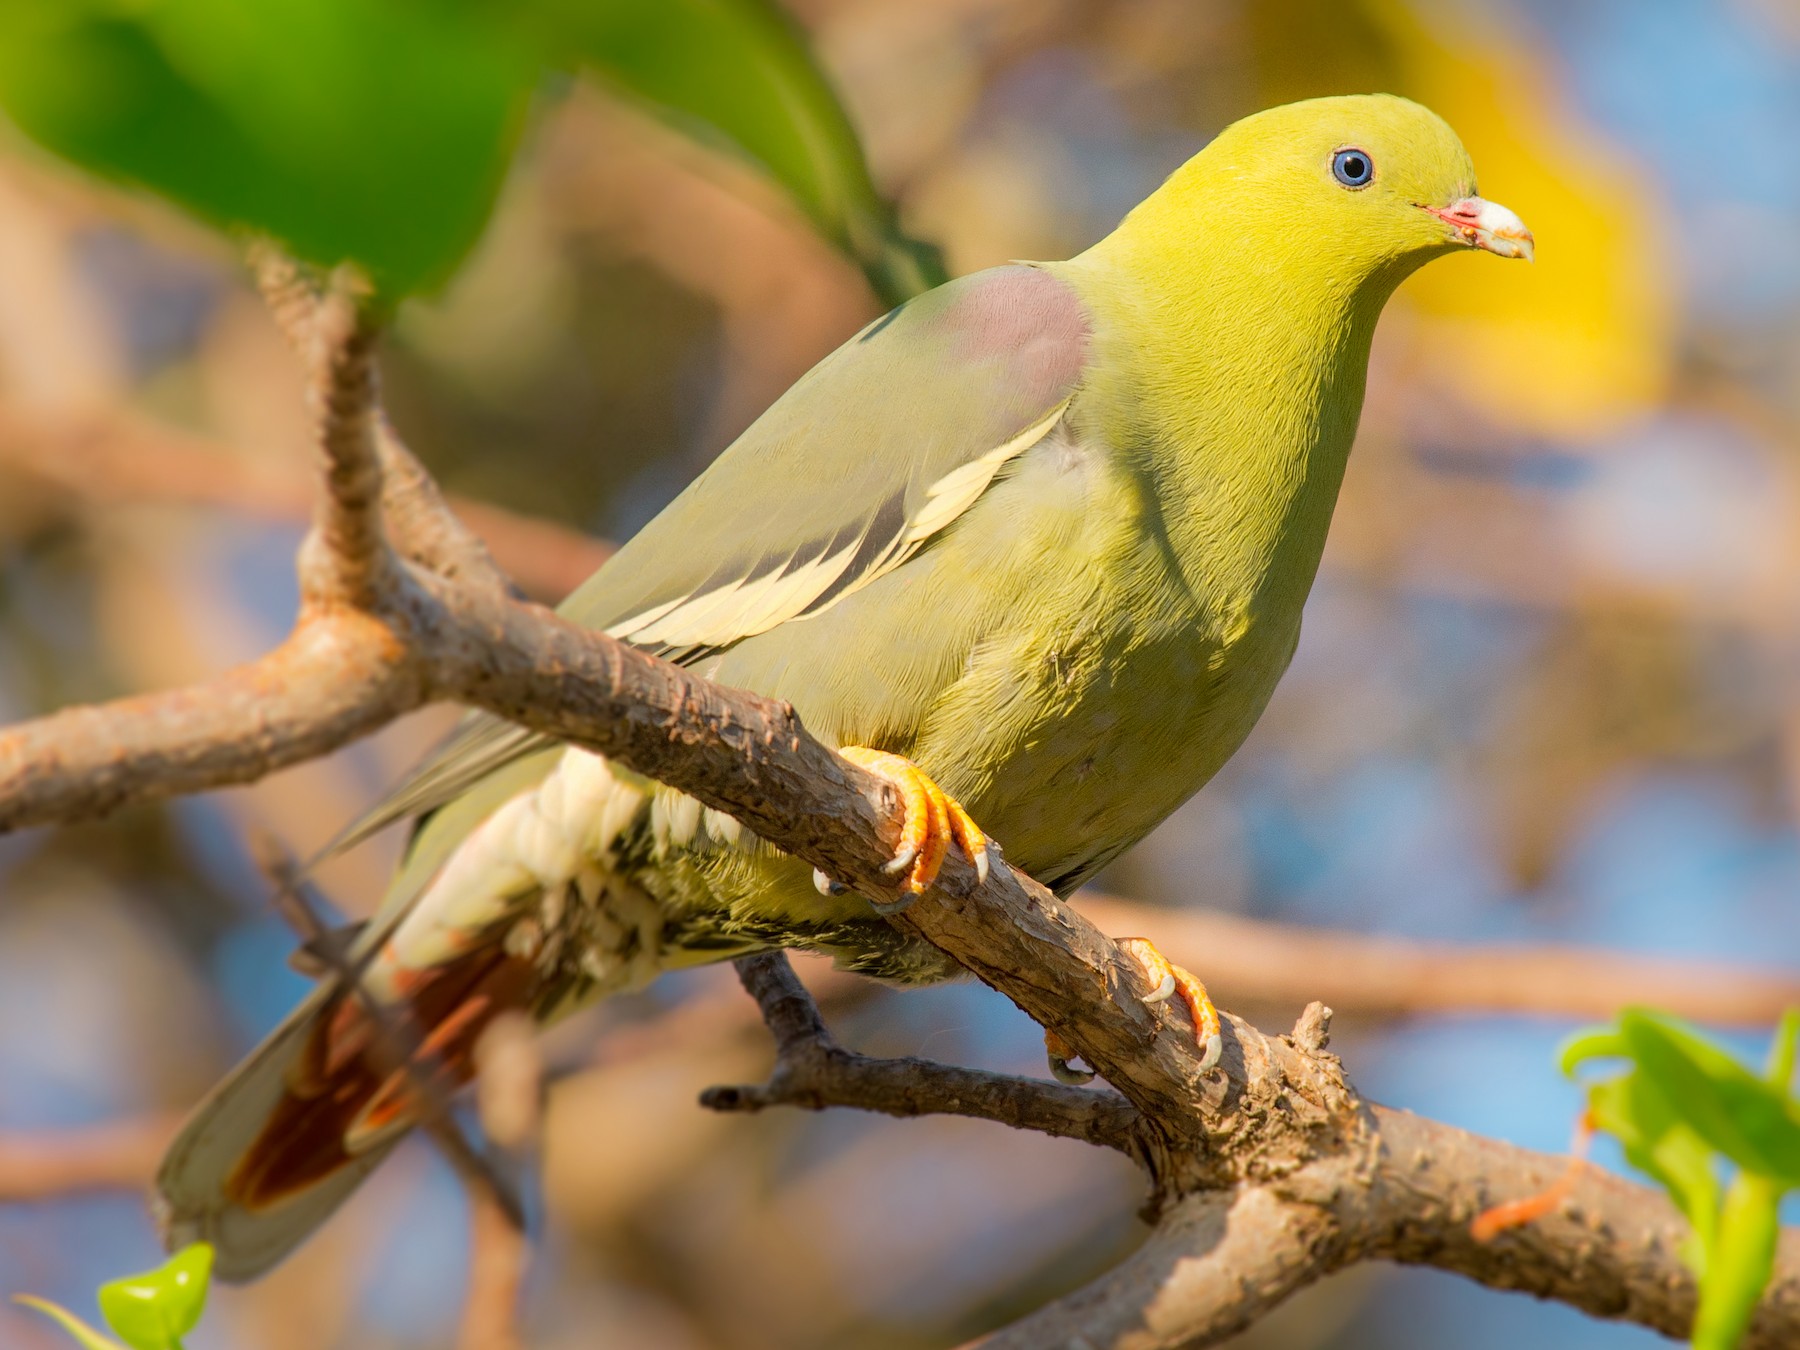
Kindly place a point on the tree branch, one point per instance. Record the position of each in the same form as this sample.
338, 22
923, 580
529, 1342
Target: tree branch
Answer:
1219, 1260
1255, 960
120, 1155
107, 458
349, 562
1405, 1190
814, 1072
1269, 1170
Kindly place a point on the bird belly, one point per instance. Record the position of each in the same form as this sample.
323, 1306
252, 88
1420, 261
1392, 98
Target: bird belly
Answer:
1086, 737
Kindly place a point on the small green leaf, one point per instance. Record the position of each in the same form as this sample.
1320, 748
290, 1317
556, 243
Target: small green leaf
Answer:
738, 71
1744, 1258
153, 1311
1736, 1111
69, 1322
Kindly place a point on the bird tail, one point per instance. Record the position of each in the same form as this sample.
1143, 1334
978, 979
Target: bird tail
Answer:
290, 1133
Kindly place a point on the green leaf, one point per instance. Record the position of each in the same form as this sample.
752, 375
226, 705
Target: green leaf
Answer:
738, 71
1590, 1043
1736, 1111
1734, 1280
153, 1311
1780, 1071
1684, 1103
1659, 1144
373, 130
69, 1322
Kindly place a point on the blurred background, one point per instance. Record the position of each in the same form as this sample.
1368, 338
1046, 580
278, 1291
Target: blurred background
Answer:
1549, 688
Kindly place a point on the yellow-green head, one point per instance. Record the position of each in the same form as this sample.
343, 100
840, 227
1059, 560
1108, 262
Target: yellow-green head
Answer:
1234, 314
1361, 188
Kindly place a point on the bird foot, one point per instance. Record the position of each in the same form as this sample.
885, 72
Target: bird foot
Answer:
931, 820
1171, 980
825, 885
1059, 1052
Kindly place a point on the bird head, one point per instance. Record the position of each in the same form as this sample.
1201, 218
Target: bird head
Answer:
1359, 188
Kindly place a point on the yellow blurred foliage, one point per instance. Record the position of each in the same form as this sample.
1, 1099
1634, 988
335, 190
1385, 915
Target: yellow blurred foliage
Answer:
1584, 338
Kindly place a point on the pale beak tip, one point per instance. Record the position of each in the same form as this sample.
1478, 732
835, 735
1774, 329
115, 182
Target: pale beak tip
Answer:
1482, 224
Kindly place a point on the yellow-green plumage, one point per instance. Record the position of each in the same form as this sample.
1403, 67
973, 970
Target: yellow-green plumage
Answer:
1046, 531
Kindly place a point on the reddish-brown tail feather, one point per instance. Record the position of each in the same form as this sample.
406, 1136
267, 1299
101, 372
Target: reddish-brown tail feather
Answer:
358, 1082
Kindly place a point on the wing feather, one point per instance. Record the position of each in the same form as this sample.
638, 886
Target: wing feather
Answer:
936, 399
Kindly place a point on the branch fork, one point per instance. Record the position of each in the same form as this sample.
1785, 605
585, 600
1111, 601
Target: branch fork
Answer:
1267, 1172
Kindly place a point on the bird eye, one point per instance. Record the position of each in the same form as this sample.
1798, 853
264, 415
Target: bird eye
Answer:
1352, 168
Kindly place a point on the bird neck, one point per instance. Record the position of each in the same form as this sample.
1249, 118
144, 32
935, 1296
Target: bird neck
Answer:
1241, 381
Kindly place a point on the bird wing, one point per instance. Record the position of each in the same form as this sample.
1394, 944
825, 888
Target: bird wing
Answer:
876, 450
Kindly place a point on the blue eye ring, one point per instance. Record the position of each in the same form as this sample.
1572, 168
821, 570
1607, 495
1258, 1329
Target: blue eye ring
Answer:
1353, 167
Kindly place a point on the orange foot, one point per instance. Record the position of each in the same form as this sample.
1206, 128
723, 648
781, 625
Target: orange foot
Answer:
1171, 979
930, 820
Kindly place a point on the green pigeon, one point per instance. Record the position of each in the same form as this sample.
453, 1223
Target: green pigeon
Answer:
1034, 546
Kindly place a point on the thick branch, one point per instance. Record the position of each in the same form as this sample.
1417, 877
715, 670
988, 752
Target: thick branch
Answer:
1612, 1249
339, 676
1215, 1264
1220, 1260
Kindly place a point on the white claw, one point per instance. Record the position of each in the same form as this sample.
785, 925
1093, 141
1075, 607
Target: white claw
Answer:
1061, 1071
981, 865
824, 885
902, 860
1162, 992
1215, 1046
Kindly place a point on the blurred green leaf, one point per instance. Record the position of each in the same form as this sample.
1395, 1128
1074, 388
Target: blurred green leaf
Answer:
377, 130
1742, 1260
1735, 1110
380, 130
1590, 1043
154, 1310
1780, 1072
1659, 1144
1682, 1108
737, 71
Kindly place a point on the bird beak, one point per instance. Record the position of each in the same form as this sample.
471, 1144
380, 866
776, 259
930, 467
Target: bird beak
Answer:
1480, 223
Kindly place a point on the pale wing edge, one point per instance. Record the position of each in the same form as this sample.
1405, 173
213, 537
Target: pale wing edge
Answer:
688, 627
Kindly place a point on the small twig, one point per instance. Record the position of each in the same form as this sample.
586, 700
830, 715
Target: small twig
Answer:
509, 1098
498, 1252
421, 518
395, 1047
102, 458
353, 562
291, 296
45, 1164
814, 1072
